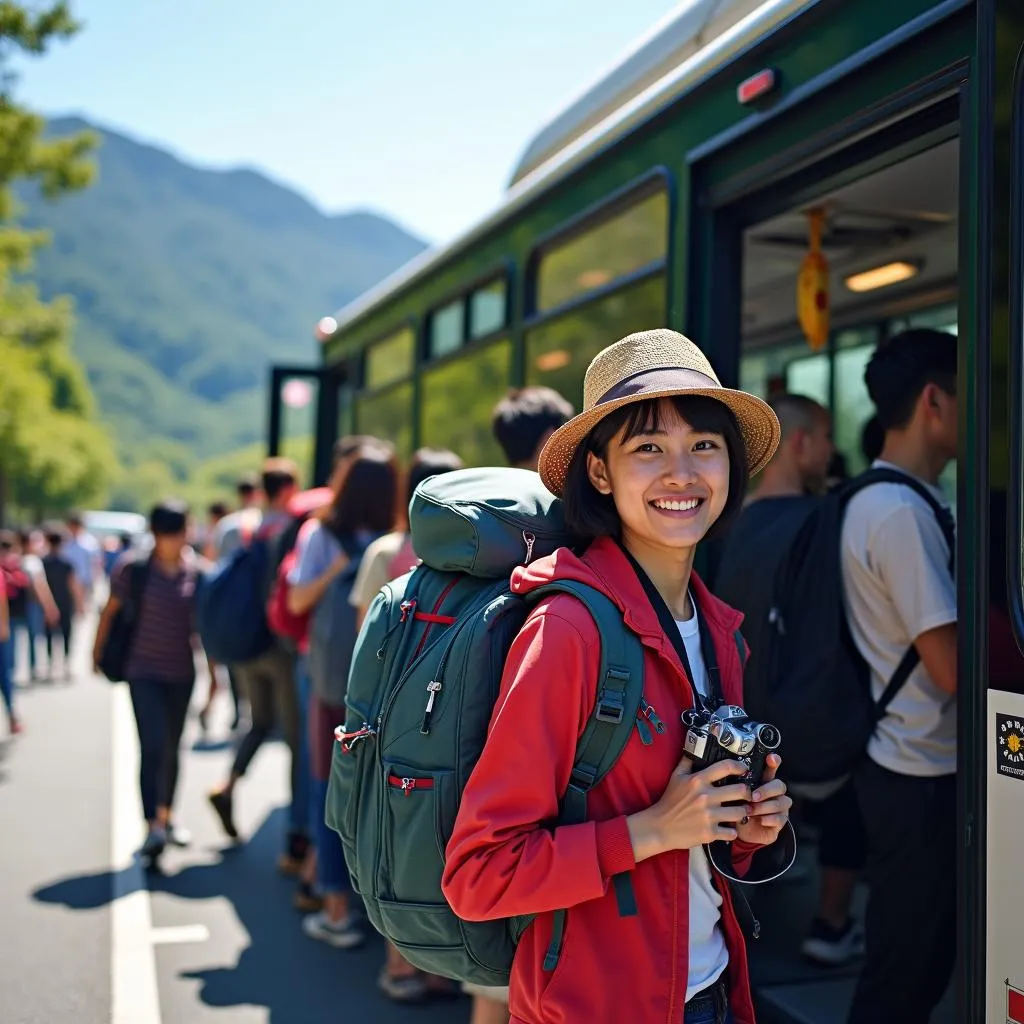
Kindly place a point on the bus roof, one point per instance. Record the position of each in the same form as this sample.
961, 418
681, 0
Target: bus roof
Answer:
684, 31
632, 112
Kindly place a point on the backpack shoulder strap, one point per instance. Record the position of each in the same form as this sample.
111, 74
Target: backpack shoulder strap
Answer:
944, 518
881, 475
620, 684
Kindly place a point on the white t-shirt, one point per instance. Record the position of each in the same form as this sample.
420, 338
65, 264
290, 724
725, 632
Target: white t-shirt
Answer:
33, 567
896, 586
709, 956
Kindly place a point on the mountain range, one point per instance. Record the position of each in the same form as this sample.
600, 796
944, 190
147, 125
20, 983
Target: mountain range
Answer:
188, 283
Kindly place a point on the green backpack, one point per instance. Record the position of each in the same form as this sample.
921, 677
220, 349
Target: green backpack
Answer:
423, 683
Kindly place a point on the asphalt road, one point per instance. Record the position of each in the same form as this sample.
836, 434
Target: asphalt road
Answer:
87, 938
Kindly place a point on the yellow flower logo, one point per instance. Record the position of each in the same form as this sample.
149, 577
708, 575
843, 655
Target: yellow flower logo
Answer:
1014, 743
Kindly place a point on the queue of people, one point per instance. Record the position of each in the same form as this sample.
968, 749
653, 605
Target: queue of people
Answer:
44, 594
661, 464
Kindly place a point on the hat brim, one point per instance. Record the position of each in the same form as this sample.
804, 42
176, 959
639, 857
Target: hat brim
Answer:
757, 421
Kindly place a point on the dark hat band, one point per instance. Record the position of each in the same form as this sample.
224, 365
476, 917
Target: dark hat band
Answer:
662, 378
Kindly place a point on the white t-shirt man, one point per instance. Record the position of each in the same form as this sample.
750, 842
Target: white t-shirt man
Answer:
709, 956
897, 585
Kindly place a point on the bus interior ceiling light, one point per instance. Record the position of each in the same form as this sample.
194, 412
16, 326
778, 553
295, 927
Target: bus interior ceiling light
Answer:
883, 276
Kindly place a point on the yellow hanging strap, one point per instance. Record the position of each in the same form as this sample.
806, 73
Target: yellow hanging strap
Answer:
812, 294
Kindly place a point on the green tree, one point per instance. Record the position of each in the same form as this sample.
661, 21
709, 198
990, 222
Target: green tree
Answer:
53, 452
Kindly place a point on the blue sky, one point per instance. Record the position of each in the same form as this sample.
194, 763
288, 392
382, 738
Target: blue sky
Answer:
415, 108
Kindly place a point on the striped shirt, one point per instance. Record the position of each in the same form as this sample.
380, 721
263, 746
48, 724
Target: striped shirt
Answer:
161, 648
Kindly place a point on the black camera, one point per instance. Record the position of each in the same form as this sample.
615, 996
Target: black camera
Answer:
729, 734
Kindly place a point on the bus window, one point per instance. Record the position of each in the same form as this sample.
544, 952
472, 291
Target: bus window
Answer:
389, 359
559, 351
385, 414
596, 256
458, 400
487, 309
447, 329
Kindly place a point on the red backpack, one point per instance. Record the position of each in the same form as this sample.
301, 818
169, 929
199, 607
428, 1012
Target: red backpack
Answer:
16, 584
282, 622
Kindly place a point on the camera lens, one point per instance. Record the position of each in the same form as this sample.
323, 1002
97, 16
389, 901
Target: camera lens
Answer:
768, 736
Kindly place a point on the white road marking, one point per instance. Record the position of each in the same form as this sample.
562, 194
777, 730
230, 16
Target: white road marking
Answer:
179, 933
134, 993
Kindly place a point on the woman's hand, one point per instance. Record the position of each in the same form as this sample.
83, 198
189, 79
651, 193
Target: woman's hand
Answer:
692, 811
768, 811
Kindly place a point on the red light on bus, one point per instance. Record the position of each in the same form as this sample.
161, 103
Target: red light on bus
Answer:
759, 85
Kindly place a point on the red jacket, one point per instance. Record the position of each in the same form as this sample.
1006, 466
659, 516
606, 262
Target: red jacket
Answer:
504, 860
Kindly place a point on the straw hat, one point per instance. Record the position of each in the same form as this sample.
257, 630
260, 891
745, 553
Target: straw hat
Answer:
654, 364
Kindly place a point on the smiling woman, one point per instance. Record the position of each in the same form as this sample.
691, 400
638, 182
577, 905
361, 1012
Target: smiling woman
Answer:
659, 456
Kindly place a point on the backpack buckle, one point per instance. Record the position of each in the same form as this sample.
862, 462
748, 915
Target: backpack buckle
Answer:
611, 704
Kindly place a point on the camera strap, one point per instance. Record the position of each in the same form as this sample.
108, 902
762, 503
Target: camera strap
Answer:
770, 862
714, 698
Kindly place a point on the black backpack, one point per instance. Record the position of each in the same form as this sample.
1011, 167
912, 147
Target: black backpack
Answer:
805, 674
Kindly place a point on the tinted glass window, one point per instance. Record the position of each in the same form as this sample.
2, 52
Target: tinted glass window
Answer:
458, 400
487, 309
635, 237
559, 352
388, 415
447, 329
390, 359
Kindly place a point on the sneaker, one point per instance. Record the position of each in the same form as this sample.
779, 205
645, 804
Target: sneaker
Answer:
412, 988
178, 836
345, 934
833, 947
222, 803
155, 843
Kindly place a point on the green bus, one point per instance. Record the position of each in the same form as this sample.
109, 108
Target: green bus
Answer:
679, 191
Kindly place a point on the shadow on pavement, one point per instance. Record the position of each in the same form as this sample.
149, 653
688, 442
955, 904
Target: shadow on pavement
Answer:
293, 976
86, 892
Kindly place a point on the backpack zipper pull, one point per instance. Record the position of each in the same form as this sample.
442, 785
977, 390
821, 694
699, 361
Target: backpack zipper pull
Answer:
645, 733
405, 607
530, 540
408, 785
433, 689
652, 716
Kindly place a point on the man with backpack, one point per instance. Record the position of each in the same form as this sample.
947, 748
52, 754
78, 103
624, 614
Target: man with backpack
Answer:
790, 487
267, 677
900, 596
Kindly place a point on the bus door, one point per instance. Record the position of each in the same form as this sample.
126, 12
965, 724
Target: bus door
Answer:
308, 409
995, 952
879, 186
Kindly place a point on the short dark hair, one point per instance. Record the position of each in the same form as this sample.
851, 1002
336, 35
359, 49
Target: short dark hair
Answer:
524, 416
168, 518
279, 475
247, 485
367, 498
218, 509
55, 538
75, 519
590, 514
902, 367
8, 539
428, 462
